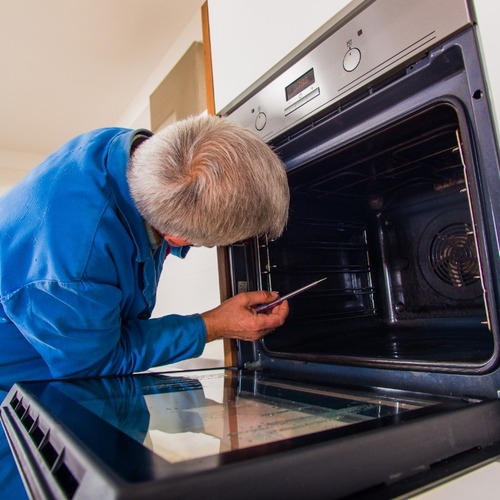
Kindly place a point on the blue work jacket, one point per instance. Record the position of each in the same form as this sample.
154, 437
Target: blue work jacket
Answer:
78, 276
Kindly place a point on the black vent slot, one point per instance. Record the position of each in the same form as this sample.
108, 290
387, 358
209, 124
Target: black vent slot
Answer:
18, 408
27, 421
49, 453
37, 435
52, 454
66, 480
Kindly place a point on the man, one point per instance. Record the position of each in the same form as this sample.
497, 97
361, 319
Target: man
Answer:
84, 236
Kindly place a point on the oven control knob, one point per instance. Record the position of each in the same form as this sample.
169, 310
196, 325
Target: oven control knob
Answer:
352, 59
260, 120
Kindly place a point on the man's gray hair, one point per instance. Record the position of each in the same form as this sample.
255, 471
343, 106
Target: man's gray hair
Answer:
209, 181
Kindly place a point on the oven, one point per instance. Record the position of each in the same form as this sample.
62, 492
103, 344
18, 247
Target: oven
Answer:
393, 167
386, 376
394, 187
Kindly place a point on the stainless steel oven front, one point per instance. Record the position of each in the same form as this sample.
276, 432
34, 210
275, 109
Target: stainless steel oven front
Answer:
386, 131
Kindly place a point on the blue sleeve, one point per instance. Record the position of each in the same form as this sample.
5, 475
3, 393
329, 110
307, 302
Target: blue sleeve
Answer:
78, 330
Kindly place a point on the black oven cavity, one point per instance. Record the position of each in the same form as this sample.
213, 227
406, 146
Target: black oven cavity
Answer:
387, 221
384, 203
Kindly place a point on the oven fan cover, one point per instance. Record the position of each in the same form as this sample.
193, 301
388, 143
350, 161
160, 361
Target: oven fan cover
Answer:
448, 256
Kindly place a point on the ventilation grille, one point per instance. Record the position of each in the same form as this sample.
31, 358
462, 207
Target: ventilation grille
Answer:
452, 256
49, 451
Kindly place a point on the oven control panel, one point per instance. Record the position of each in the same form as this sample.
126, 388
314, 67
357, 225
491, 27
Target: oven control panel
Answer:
363, 48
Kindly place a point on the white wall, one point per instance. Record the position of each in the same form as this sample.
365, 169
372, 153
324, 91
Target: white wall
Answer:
14, 165
136, 115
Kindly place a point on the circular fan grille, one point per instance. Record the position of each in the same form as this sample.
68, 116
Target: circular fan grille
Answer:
452, 255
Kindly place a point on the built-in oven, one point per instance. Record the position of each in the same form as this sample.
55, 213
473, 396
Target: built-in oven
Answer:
392, 162
385, 377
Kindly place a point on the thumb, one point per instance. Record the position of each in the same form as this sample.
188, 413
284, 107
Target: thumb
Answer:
260, 297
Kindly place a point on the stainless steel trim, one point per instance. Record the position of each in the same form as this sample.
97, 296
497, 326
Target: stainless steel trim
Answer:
301, 102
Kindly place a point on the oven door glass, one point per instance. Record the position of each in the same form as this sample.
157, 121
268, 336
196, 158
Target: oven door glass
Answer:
228, 430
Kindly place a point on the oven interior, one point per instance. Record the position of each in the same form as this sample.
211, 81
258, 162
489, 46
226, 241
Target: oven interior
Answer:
387, 221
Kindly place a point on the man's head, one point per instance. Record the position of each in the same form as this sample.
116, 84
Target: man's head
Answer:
209, 182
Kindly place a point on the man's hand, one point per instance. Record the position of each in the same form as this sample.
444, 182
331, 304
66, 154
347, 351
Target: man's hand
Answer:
236, 318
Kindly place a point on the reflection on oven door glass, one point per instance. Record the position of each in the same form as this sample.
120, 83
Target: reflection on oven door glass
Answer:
200, 414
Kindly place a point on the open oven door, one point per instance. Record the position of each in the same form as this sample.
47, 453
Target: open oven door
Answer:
228, 433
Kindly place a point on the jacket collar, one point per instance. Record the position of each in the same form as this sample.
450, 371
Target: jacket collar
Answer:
116, 165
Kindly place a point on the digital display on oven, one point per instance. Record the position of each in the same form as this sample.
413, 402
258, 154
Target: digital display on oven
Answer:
300, 84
